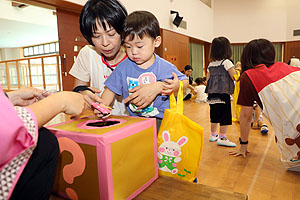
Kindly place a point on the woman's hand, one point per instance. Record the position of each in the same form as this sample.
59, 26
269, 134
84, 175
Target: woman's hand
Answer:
241, 152
143, 95
90, 97
73, 102
26, 96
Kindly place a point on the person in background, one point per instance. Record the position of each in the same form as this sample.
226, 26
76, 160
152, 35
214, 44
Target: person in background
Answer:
220, 86
258, 122
190, 90
295, 62
237, 108
200, 89
29, 152
274, 86
101, 23
141, 35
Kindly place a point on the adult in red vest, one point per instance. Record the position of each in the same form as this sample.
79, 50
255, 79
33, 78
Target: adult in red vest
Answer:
275, 87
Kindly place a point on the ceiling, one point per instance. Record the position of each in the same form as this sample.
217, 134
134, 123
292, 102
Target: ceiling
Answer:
19, 34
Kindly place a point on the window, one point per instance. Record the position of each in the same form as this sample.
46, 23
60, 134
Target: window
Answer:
43, 49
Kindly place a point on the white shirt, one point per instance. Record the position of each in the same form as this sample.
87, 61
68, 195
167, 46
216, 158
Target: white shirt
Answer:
201, 96
89, 67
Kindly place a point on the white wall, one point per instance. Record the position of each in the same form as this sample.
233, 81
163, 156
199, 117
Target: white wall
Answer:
239, 20
10, 53
293, 19
28, 14
198, 16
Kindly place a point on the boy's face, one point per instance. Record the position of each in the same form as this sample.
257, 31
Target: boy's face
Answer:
107, 42
141, 51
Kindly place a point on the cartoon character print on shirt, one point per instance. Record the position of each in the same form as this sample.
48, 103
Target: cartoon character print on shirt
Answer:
145, 78
296, 140
169, 152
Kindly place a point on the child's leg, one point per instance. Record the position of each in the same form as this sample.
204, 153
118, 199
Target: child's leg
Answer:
213, 134
225, 121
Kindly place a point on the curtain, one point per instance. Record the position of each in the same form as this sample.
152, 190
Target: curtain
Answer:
196, 59
237, 51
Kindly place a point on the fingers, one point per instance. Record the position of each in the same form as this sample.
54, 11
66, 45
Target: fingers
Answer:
96, 90
130, 97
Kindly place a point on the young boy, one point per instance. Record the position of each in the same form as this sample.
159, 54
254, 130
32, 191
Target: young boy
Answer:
141, 35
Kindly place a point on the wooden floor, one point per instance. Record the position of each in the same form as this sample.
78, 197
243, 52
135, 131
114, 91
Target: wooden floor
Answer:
261, 175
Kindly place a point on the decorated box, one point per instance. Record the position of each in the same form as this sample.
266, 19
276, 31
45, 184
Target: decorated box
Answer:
104, 159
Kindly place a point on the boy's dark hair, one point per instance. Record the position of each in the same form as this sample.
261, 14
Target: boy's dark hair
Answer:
110, 11
220, 49
188, 67
258, 51
141, 23
199, 80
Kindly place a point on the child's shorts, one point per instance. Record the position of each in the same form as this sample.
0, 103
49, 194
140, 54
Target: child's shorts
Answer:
220, 109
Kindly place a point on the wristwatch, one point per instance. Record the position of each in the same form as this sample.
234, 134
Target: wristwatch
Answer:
241, 142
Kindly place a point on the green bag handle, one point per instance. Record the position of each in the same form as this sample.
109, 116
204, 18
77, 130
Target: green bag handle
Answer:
177, 106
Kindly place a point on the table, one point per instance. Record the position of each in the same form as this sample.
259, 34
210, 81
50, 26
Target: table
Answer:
171, 188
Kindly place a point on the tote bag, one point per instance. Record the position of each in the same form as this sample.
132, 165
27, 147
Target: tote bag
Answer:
180, 142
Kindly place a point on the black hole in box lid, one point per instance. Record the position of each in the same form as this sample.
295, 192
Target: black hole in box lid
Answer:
103, 123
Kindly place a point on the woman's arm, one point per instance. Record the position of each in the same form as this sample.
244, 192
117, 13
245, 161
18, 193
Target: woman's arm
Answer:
68, 102
245, 126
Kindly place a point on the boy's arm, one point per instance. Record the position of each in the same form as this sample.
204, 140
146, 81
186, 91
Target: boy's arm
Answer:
108, 97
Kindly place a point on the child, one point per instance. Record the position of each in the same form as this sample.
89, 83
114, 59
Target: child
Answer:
219, 86
141, 35
258, 122
237, 108
200, 88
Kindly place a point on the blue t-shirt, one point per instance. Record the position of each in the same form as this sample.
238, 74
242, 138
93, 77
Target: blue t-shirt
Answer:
128, 75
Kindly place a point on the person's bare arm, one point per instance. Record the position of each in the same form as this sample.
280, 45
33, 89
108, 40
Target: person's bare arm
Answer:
232, 72
245, 126
68, 102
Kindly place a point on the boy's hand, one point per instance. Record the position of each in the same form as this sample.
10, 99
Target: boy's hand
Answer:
171, 85
143, 95
101, 110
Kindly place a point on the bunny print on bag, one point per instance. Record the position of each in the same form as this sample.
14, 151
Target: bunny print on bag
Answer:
169, 153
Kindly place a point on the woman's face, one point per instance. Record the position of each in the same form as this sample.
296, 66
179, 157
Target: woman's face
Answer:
107, 42
188, 72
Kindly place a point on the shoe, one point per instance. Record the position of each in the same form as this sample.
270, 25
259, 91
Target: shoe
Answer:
264, 129
225, 142
213, 138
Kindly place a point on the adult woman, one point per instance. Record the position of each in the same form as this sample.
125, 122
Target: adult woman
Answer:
274, 86
101, 24
28, 151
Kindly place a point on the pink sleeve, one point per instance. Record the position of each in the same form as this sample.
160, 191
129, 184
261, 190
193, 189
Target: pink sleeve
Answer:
18, 130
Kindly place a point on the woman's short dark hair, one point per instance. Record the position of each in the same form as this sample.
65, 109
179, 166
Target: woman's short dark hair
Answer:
258, 51
220, 49
188, 67
110, 11
141, 23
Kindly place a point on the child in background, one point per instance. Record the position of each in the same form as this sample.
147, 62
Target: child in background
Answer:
141, 35
258, 122
219, 87
200, 89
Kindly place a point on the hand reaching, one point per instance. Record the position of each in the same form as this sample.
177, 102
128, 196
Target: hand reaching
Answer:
241, 152
25, 96
170, 85
91, 97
